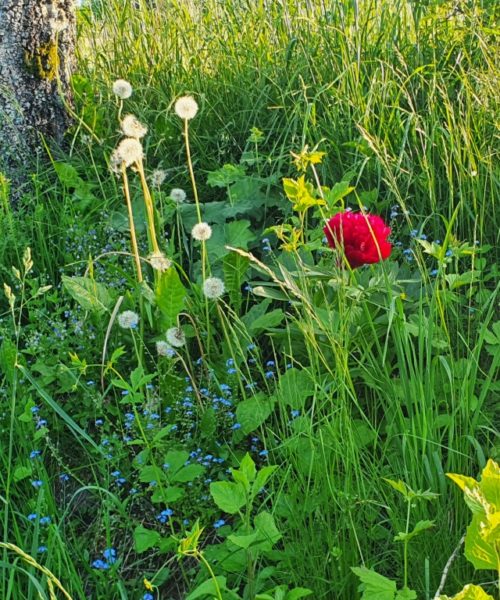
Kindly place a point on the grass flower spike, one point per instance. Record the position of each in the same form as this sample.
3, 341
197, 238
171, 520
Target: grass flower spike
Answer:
175, 337
186, 107
213, 288
128, 319
122, 89
201, 232
132, 127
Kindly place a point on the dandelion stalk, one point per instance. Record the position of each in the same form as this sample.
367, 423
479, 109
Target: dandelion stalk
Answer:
133, 238
148, 201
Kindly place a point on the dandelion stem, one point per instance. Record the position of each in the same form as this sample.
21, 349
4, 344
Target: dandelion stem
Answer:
149, 206
191, 171
133, 238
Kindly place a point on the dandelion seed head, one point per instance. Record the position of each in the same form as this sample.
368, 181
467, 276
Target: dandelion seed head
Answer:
132, 127
213, 288
159, 261
128, 151
164, 349
201, 232
128, 319
178, 195
158, 177
186, 107
122, 89
175, 337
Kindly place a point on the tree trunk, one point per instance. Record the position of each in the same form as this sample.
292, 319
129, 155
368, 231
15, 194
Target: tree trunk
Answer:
37, 39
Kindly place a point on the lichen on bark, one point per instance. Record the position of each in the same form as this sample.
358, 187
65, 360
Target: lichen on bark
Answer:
37, 39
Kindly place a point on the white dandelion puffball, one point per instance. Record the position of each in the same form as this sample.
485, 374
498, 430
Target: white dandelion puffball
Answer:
213, 288
175, 337
128, 151
132, 127
164, 349
158, 177
159, 261
186, 107
122, 89
128, 319
201, 232
178, 195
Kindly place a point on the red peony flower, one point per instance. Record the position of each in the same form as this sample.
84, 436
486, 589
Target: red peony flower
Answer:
362, 237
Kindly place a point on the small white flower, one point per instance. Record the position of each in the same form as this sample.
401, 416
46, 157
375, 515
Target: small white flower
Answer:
122, 89
213, 288
159, 261
186, 107
164, 349
178, 195
128, 319
158, 177
128, 151
201, 232
132, 127
175, 337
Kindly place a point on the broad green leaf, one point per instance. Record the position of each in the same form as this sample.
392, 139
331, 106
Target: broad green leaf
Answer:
297, 593
175, 459
295, 387
167, 495
338, 191
91, 295
170, 294
406, 594
262, 477
188, 473
229, 497
22, 472
150, 473
247, 467
373, 585
253, 412
144, 539
270, 319
208, 588
243, 541
470, 592
266, 527
238, 234
225, 176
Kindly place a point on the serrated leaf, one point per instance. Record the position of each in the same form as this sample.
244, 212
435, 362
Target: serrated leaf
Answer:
150, 473
235, 268
175, 459
170, 294
89, 294
225, 176
406, 594
229, 497
419, 528
470, 592
188, 473
167, 495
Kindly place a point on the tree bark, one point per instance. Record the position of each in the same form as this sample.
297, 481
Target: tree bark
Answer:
37, 40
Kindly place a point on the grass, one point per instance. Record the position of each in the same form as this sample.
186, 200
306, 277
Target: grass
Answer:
387, 372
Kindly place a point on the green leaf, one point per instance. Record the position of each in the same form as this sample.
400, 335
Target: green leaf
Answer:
243, 541
262, 477
406, 594
167, 495
235, 269
266, 321
170, 294
175, 459
295, 387
225, 176
208, 423
419, 528
247, 467
144, 539
373, 585
88, 293
8, 357
338, 191
188, 473
253, 412
297, 593
150, 473
22, 472
208, 588
238, 234
266, 527
229, 497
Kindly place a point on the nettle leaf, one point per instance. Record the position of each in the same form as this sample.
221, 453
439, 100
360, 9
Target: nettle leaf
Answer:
266, 527
144, 539
229, 497
89, 294
262, 478
373, 585
170, 294
253, 412
470, 592
295, 387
